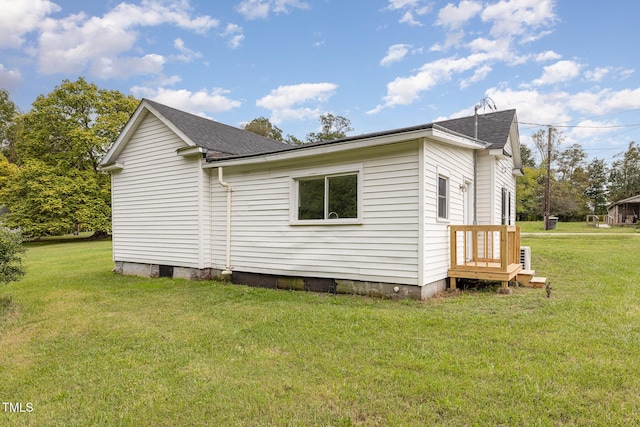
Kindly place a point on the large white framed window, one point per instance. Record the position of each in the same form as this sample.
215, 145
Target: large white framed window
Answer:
443, 197
330, 198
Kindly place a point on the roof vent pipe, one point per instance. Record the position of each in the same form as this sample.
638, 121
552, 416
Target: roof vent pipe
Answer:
484, 102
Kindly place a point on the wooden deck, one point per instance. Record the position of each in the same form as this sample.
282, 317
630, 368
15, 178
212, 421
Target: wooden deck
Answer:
484, 252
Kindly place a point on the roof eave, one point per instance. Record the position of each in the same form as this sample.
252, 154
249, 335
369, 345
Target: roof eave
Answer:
111, 167
348, 144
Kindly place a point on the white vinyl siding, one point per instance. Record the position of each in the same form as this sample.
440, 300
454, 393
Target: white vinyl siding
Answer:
156, 202
493, 176
485, 196
456, 165
382, 247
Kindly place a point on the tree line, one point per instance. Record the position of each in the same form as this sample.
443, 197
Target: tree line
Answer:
50, 180
579, 186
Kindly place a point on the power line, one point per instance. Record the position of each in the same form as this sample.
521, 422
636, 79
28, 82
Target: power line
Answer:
582, 126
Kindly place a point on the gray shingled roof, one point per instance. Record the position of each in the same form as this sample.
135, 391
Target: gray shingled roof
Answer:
223, 140
218, 137
493, 128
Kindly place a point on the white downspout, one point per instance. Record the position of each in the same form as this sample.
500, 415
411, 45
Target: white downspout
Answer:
226, 274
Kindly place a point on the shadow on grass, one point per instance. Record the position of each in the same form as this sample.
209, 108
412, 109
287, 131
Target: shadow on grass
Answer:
67, 238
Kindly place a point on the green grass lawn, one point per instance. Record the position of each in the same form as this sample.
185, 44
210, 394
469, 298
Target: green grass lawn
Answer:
573, 227
87, 347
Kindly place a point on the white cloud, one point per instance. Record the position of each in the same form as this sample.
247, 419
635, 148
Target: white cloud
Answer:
597, 74
405, 90
479, 74
260, 9
77, 42
559, 72
518, 17
235, 34
186, 54
9, 78
395, 53
558, 107
289, 102
626, 73
200, 102
401, 4
548, 55
454, 17
22, 17
588, 129
506, 23
124, 67
410, 9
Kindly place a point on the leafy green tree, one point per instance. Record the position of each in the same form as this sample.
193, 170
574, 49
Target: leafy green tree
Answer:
43, 202
530, 193
567, 201
262, 126
596, 191
527, 157
74, 126
11, 253
58, 186
9, 125
541, 141
571, 163
332, 127
7, 171
624, 178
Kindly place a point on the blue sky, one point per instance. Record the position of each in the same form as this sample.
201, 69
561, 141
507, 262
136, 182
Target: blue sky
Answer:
383, 64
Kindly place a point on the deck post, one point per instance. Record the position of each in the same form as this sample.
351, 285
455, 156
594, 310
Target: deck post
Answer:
453, 249
504, 248
452, 283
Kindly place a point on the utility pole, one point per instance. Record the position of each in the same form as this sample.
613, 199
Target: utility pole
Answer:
547, 190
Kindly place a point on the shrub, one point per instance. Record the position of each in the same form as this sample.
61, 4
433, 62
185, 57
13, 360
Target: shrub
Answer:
11, 252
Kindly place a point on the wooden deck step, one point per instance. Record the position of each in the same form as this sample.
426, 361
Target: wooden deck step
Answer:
524, 277
538, 282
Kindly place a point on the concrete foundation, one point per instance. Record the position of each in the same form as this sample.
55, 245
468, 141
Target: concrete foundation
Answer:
311, 284
155, 270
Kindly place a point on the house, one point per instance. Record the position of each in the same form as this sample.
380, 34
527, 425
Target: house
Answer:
624, 212
370, 214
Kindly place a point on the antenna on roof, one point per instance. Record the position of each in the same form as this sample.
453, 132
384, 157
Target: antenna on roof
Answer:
485, 102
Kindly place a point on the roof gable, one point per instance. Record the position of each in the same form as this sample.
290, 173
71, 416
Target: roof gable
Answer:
220, 139
215, 136
494, 128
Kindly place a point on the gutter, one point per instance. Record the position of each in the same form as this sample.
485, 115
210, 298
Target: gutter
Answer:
226, 274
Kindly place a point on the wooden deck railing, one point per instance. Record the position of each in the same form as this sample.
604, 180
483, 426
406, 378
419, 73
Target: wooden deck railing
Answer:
490, 252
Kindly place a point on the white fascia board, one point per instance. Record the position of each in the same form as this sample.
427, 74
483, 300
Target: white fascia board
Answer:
374, 141
125, 135
456, 140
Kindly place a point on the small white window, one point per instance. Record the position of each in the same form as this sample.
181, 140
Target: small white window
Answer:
443, 191
330, 198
